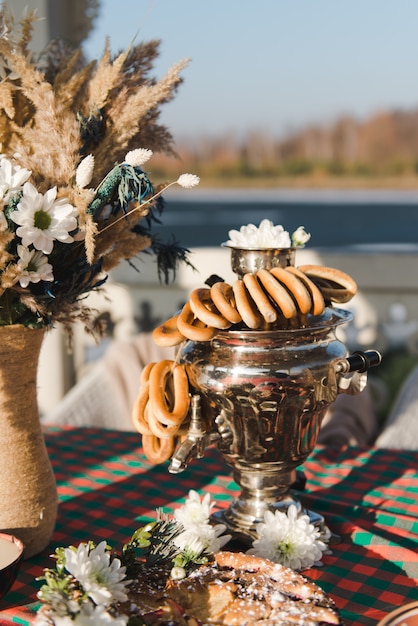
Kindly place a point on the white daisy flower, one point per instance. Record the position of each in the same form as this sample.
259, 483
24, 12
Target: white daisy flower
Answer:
101, 578
188, 180
138, 157
190, 542
202, 539
84, 171
95, 616
300, 237
42, 219
199, 535
89, 615
290, 540
49, 618
194, 511
34, 266
12, 177
266, 235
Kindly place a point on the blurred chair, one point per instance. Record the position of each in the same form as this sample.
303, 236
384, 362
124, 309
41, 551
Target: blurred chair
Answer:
105, 395
401, 428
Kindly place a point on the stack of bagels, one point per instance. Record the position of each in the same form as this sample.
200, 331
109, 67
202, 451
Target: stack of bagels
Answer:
268, 299
276, 298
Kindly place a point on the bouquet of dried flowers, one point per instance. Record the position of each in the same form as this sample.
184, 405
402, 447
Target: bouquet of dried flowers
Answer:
74, 199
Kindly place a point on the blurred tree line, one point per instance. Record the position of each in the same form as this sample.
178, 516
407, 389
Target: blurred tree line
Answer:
383, 147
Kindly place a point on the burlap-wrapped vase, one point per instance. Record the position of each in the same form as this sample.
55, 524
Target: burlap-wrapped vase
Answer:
28, 494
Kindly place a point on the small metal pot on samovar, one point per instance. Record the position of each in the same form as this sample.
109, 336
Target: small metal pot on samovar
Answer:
261, 395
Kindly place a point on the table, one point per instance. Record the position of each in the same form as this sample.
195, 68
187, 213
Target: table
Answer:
107, 489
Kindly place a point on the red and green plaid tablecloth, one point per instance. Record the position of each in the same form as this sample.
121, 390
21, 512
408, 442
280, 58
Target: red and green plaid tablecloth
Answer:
369, 497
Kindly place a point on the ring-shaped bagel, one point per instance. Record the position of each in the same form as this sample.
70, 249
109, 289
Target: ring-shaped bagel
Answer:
193, 328
156, 449
139, 411
146, 371
246, 306
318, 302
278, 293
168, 334
335, 284
295, 287
260, 298
168, 381
223, 298
202, 305
159, 429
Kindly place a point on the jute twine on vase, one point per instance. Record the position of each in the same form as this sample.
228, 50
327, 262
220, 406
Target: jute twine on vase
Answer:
28, 495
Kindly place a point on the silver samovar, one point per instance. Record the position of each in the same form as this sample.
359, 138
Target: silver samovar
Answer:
260, 397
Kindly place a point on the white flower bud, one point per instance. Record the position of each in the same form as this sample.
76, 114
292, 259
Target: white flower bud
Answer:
300, 237
138, 157
178, 573
188, 180
84, 172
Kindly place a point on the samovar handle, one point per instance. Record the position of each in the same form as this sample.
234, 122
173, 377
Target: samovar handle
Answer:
359, 362
347, 375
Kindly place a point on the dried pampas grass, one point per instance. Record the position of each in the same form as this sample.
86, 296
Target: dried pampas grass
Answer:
55, 111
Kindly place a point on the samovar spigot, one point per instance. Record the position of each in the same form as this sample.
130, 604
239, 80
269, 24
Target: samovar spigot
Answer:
196, 442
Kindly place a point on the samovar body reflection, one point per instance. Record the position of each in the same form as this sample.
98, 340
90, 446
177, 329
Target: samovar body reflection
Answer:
261, 396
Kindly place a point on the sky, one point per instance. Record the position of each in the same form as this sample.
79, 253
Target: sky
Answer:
272, 65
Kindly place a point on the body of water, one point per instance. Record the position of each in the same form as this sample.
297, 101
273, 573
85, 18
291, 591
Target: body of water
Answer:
201, 218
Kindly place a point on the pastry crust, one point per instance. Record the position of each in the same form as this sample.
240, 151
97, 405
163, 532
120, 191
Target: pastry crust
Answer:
236, 589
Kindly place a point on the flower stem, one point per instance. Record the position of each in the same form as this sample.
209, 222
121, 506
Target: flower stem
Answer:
139, 206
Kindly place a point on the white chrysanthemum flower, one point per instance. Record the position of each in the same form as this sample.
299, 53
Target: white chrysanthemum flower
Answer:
266, 235
300, 237
189, 541
202, 539
42, 219
290, 540
188, 181
138, 157
12, 177
34, 266
194, 511
96, 616
49, 618
84, 172
59, 603
100, 577
89, 615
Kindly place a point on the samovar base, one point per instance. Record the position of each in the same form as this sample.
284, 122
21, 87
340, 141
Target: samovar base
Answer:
266, 489
243, 526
